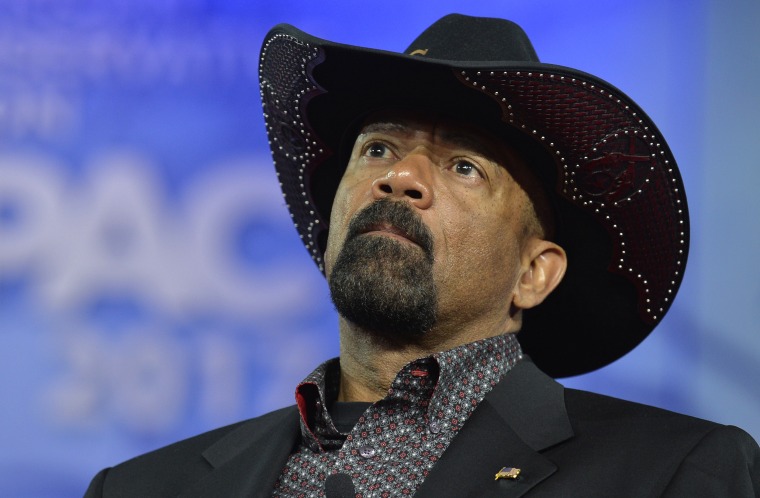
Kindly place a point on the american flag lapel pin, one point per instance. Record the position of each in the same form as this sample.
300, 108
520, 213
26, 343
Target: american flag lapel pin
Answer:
507, 473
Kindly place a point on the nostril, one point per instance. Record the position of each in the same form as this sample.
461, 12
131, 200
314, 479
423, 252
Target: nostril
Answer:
386, 188
414, 194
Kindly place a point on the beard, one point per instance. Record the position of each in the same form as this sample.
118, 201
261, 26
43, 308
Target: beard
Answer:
383, 285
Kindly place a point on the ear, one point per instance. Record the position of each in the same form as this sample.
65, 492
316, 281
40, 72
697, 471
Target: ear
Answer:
544, 265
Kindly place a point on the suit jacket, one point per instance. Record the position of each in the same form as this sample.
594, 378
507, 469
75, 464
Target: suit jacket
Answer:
565, 442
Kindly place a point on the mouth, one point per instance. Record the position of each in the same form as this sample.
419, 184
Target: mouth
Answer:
388, 230
395, 220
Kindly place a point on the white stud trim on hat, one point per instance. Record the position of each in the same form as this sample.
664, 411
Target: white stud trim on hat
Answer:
569, 176
311, 148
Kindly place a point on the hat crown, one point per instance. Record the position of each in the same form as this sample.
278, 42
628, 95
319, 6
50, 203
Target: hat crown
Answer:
456, 37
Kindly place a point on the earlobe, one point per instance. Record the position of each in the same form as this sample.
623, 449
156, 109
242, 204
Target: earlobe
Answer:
546, 265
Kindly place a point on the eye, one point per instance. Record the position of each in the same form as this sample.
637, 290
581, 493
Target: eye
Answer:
376, 149
466, 168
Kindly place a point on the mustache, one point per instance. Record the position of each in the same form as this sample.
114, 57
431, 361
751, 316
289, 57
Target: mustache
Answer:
397, 214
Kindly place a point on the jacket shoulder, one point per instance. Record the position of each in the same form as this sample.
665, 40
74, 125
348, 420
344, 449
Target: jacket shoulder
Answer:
167, 470
599, 417
725, 462
591, 408
676, 453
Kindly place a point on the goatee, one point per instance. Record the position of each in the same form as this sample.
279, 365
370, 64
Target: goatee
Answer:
383, 285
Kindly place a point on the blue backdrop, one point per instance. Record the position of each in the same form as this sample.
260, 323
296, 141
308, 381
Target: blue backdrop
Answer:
151, 285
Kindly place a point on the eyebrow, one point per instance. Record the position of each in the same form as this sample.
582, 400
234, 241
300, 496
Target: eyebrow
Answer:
468, 141
384, 127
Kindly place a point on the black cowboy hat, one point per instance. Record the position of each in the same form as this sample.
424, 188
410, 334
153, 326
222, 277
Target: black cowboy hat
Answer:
620, 208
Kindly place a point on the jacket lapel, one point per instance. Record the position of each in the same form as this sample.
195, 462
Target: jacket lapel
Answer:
248, 461
524, 414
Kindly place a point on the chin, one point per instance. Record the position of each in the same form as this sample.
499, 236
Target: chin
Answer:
384, 287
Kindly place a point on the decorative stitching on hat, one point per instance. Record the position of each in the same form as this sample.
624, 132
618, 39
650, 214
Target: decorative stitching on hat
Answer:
640, 180
290, 138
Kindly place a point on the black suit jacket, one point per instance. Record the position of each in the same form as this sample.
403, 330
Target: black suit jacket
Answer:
566, 443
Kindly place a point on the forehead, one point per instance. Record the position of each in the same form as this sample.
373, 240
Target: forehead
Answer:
447, 130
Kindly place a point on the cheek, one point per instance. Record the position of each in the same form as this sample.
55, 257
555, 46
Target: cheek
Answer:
462, 244
345, 205
478, 240
336, 234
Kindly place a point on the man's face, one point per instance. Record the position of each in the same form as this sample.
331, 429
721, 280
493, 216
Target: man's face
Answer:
427, 229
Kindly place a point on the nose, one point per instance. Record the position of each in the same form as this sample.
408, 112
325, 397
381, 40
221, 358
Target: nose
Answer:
409, 179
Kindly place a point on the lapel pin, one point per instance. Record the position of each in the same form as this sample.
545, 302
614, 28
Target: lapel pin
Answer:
507, 473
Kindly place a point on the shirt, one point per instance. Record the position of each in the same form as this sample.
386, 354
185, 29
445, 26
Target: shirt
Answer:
397, 440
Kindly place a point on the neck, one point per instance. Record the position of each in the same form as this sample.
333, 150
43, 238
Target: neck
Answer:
368, 364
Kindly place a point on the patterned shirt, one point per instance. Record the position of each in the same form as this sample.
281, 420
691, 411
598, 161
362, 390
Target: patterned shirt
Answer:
397, 440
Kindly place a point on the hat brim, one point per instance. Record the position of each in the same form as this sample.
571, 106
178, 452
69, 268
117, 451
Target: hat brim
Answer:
618, 196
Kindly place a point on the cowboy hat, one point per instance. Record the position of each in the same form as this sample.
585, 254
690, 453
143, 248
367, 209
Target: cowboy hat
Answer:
617, 195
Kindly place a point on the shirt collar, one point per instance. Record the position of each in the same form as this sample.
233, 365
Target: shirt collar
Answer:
448, 385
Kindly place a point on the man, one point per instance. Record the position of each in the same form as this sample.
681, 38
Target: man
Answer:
475, 198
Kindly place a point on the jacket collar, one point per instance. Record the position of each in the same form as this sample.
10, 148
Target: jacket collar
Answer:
523, 415
533, 405
248, 460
